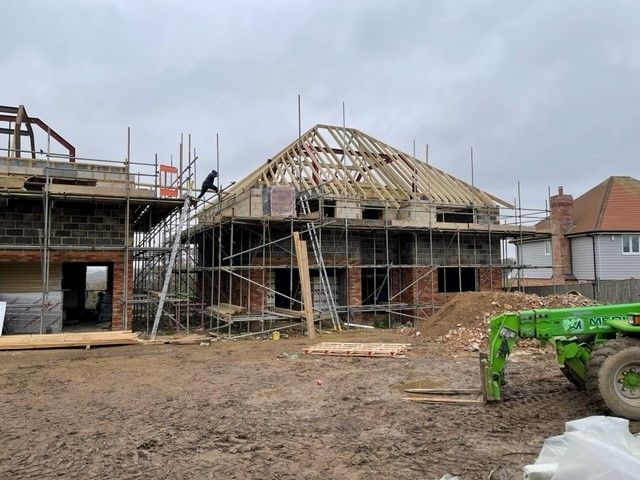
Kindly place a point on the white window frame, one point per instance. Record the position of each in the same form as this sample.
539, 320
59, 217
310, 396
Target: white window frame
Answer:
547, 247
628, 242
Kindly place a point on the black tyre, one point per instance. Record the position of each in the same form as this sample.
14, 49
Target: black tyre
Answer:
613, 377
572, 377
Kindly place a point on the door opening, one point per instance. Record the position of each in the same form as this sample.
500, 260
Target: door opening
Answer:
87, 290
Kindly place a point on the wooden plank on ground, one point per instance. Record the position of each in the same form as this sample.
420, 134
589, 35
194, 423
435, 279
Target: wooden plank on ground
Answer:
444, 391
446, 399
445, 395
63, 340
389, 350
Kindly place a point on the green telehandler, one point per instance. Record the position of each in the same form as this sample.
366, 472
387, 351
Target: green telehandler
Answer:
597, 348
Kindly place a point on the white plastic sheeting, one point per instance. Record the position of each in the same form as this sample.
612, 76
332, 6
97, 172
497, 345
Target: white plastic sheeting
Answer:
592, 448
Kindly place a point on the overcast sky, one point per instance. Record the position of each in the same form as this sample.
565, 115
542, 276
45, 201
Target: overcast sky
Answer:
546, 92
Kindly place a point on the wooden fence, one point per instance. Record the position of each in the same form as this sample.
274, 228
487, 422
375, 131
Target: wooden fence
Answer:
605, 291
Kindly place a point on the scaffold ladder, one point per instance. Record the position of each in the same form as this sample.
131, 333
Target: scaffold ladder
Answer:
317, 253
172, 260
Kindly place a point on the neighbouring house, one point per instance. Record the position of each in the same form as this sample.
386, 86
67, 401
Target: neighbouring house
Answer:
594, 237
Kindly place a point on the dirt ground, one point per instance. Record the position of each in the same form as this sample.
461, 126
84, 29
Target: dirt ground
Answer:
234, 410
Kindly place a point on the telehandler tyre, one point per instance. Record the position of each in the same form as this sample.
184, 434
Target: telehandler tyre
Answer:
612, 379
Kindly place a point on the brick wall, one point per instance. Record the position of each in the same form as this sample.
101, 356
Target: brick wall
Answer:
561, 207
117, 258
72, 223
354, 287
489, 279
257, 296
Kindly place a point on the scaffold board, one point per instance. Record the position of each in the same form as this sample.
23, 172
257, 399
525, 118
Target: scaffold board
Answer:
358, 349
66, 340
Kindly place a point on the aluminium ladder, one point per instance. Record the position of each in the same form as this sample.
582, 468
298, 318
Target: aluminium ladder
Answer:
172, 260
317, 253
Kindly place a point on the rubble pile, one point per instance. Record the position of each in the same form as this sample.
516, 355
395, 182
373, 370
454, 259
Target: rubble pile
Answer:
463, 322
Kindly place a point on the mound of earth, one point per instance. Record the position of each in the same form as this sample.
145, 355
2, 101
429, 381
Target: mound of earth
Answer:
464, 321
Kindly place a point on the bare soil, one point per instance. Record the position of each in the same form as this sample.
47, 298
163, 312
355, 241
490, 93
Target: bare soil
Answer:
234, 410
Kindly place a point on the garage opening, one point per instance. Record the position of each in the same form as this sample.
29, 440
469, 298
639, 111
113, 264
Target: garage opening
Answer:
87, 296
454, 279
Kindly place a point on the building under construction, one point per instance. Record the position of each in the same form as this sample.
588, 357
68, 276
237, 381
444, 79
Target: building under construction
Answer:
62, 217
389, 237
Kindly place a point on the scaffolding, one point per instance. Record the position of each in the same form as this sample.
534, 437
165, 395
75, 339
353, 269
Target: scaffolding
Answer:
147, 200
378, 215
395, 236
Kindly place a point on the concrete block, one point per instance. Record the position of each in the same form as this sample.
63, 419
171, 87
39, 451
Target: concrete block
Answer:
348, 209
416, 213
248, 204
11, 182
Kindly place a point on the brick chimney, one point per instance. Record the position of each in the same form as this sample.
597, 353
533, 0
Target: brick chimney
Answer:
561, 222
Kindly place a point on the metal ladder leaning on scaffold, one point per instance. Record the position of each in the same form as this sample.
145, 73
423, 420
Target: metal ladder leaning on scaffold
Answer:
317, 253
172, 260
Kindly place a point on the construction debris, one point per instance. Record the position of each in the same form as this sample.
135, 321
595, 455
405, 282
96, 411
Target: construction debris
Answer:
463, 322
358, 349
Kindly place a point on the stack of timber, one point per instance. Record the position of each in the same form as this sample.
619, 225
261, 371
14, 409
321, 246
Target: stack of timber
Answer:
395, 350
65, 340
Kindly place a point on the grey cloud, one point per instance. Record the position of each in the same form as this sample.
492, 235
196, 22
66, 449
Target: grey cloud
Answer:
545, 91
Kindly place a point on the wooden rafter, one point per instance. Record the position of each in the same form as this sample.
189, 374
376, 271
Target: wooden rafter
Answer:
344, 162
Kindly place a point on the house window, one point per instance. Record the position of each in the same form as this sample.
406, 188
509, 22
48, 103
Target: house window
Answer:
630, 244
547, 247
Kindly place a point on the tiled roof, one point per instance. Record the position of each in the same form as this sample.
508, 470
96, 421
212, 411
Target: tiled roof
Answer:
613, 205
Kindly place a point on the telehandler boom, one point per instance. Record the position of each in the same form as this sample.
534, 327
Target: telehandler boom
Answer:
597, 348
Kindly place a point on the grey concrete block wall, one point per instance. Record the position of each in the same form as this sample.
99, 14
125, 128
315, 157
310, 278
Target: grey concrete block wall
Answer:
72, 224
474, 249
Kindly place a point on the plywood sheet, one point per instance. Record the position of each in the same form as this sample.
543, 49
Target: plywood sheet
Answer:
18, 277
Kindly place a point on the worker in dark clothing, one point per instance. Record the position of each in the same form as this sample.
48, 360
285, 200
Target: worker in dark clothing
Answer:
208, 184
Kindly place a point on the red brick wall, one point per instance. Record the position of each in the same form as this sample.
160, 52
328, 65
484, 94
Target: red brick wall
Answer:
256, 295
425, 290
354, 288
561, 207
489, 279
117, 258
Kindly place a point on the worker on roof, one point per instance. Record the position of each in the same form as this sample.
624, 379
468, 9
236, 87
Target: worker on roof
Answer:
208, 184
